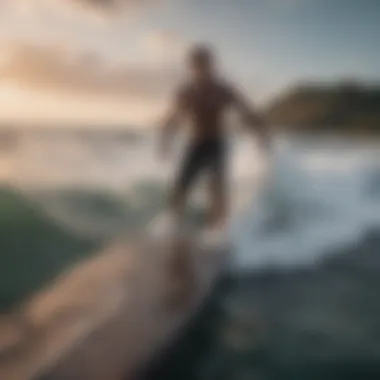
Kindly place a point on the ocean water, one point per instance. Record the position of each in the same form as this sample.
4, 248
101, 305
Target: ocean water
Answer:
301, 301
311, 196
302, 298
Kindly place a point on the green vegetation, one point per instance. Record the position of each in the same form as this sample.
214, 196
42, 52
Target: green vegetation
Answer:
33, 249
344, 107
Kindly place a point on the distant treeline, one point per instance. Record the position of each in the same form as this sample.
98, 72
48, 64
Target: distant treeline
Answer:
343, 107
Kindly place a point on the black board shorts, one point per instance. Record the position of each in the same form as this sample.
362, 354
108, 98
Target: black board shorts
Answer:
200, 156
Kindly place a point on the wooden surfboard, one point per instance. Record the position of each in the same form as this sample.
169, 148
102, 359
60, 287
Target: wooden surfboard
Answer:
107, 326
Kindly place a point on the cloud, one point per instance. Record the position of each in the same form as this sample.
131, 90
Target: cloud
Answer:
112, 5
88, 24
108, 8
28, 106
164, 42
49, 69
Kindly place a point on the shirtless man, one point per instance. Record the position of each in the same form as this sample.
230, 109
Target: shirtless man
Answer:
205, 100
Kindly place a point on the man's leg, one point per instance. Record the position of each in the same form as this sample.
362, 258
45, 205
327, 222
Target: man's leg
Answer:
218, 187
190, 169
218, 202
182, 281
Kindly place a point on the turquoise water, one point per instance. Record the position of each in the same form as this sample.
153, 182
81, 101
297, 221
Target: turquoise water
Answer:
34, 249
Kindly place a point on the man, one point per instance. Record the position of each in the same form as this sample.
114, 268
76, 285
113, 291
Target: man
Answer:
204, 100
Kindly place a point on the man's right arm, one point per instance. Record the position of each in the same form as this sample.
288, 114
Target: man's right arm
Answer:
171, 122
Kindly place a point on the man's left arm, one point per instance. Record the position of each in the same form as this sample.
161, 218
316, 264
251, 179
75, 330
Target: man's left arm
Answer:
251, 118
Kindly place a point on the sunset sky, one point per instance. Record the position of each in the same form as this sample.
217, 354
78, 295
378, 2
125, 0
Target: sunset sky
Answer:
112, 61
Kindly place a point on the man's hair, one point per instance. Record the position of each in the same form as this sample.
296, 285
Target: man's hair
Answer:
201, 54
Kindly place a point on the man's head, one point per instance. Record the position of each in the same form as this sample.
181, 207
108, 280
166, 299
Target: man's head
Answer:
201, 62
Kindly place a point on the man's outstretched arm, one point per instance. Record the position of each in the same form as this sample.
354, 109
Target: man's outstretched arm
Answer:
252, 119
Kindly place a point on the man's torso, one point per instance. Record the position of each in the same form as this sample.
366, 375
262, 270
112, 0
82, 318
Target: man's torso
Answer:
205, 105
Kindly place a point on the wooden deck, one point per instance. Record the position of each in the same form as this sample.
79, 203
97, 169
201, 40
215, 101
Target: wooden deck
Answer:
109, 317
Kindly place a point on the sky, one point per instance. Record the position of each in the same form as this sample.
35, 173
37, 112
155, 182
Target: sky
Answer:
100, 62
